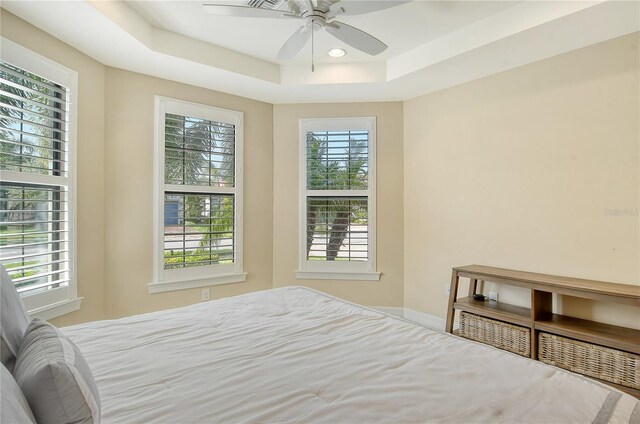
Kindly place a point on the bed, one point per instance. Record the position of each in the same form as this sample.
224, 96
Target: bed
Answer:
297, 355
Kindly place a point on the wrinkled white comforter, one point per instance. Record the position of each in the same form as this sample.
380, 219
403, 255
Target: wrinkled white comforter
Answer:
297, 355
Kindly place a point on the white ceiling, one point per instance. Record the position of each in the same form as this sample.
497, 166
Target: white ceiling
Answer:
402, 28
432, 45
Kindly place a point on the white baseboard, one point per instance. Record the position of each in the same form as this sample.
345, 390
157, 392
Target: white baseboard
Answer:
397, 311
427, 320
421, 318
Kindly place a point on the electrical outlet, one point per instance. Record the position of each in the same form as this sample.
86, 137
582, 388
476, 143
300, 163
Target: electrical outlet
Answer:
493, 296
206, 294
447, 289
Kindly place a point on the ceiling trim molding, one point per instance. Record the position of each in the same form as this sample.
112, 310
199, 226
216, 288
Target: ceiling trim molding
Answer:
511, 21
116, 35
176, 45
197, 51
338, 73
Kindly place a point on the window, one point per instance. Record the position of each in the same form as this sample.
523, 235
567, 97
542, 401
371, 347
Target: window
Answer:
198, 201
37, 140
337, 191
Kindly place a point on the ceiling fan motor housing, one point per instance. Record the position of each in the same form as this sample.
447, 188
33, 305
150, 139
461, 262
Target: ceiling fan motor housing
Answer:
317, 21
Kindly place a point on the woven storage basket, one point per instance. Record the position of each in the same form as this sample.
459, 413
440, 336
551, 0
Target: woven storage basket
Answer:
505, 336
589, 359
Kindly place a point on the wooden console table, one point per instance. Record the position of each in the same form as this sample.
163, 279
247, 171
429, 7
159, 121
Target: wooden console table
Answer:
539, 317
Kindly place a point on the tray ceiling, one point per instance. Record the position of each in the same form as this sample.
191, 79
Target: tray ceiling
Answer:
432, 44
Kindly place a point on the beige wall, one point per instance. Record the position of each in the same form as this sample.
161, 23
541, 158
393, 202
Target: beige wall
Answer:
518, 169
389, 290
514, 170
129, 191
90, 151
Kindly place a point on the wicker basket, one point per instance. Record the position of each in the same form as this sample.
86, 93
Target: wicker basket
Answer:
505, 336
589, 359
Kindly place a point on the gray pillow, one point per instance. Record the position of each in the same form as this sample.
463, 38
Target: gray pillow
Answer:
55, 377
14, 408
13, 320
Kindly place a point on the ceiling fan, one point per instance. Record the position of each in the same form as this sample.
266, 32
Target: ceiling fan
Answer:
317, 15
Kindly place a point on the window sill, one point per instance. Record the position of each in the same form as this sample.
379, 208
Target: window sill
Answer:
56, 309
323, 275
167, 286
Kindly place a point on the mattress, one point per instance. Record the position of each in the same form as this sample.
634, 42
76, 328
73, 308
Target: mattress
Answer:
297, 355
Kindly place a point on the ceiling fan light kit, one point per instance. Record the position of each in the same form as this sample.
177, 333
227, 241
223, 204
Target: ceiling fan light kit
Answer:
317, 15
337, 52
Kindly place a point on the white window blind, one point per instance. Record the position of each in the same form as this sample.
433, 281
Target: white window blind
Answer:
199, 230
199, 194
35, 212
199, 152
199, 227
337, 225
338, 197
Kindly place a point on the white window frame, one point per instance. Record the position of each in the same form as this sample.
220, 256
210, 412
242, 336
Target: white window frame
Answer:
184, 278
337, 270
63, 300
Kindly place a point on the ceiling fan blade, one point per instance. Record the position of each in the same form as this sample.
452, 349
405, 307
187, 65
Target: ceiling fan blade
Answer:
356, 38
246, 11
294, 7
360, 7
294, 44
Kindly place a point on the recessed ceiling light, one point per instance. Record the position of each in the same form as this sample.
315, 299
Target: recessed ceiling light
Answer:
337, 52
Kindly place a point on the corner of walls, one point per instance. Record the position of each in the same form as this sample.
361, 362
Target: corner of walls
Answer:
389, 290
129, 192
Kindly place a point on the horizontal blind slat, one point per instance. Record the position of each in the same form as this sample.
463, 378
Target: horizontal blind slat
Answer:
39, 243
34, 157
180, 120
26, 89
20, 167
196, 136
212, 152
24, 144
31, 233
37, 276
32, 287
32, 113
16, 72
31, 255
38, 136
10, 199
37, 265
26, 122
34, 103
52, 221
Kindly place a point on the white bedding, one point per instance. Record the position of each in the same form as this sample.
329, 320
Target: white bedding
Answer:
297, 355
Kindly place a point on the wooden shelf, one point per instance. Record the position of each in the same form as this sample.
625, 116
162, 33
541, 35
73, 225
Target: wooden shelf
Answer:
622, 338
539, 318
591, 289
496, 310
